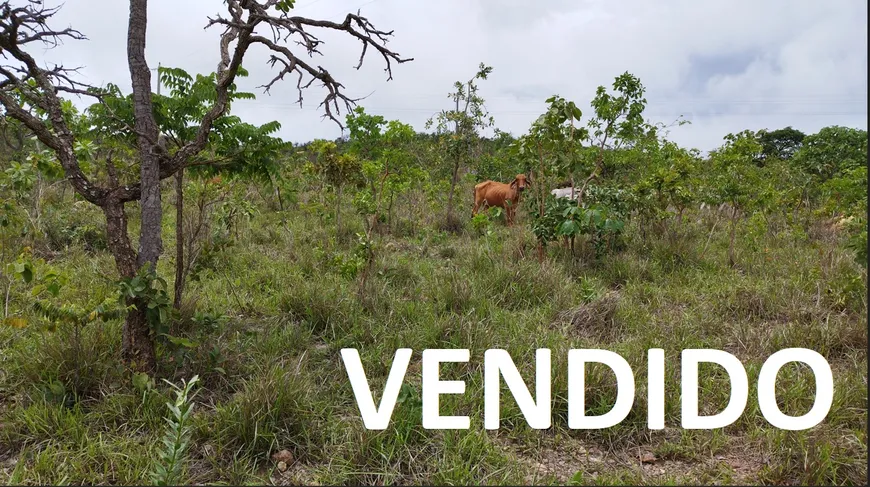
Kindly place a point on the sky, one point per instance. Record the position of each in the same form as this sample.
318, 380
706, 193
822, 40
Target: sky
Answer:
724, 65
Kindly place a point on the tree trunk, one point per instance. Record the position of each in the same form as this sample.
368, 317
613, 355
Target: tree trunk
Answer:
280, 200
453, 182
179, 238
390, 213
137, 342
731, 260
150, 239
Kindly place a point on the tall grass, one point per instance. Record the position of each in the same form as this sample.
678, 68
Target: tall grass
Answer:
282, 306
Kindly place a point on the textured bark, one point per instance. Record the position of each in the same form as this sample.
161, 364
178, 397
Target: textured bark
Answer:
137, 342
179, 238
118, 239
150, 240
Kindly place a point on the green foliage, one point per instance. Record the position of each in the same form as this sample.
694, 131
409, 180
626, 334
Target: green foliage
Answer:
48, 281
735, 174
781, 143
563, 218
335, 168
234, 146
468, 116
176, 439
554, 148
782, 187
232, 212
551, 147
366, 132
482, 222
73, 314
832, 151
397, 161
845, 195
619, 116
857, 241
148, 289
20, 177
554, 137
670, 183
285, 5
22, 267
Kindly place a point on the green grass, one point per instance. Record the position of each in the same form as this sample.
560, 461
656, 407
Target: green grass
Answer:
272, 377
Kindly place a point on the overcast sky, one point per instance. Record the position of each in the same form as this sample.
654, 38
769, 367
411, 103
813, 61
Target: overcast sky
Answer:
726, 65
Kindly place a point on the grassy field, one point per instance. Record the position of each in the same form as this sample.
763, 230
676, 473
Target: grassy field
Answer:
178, 282
267, 313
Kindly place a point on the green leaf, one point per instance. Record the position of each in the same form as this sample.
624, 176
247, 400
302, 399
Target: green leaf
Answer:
53, 288
182, 342
141, 381
27, 274
569, 227
285, 5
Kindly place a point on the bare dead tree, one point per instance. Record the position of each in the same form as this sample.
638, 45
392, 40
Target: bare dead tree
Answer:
32, 94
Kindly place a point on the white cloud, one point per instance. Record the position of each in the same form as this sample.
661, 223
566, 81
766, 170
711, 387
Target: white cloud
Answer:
728, 65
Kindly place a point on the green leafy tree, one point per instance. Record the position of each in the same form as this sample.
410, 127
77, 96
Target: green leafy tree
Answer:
736, 178
459, 130
781, 143
337, 170
670, 187
398, 163
617, 121
553, 144
387, 174
558, 144
235, 148
832, 151
845, 196
366, 133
